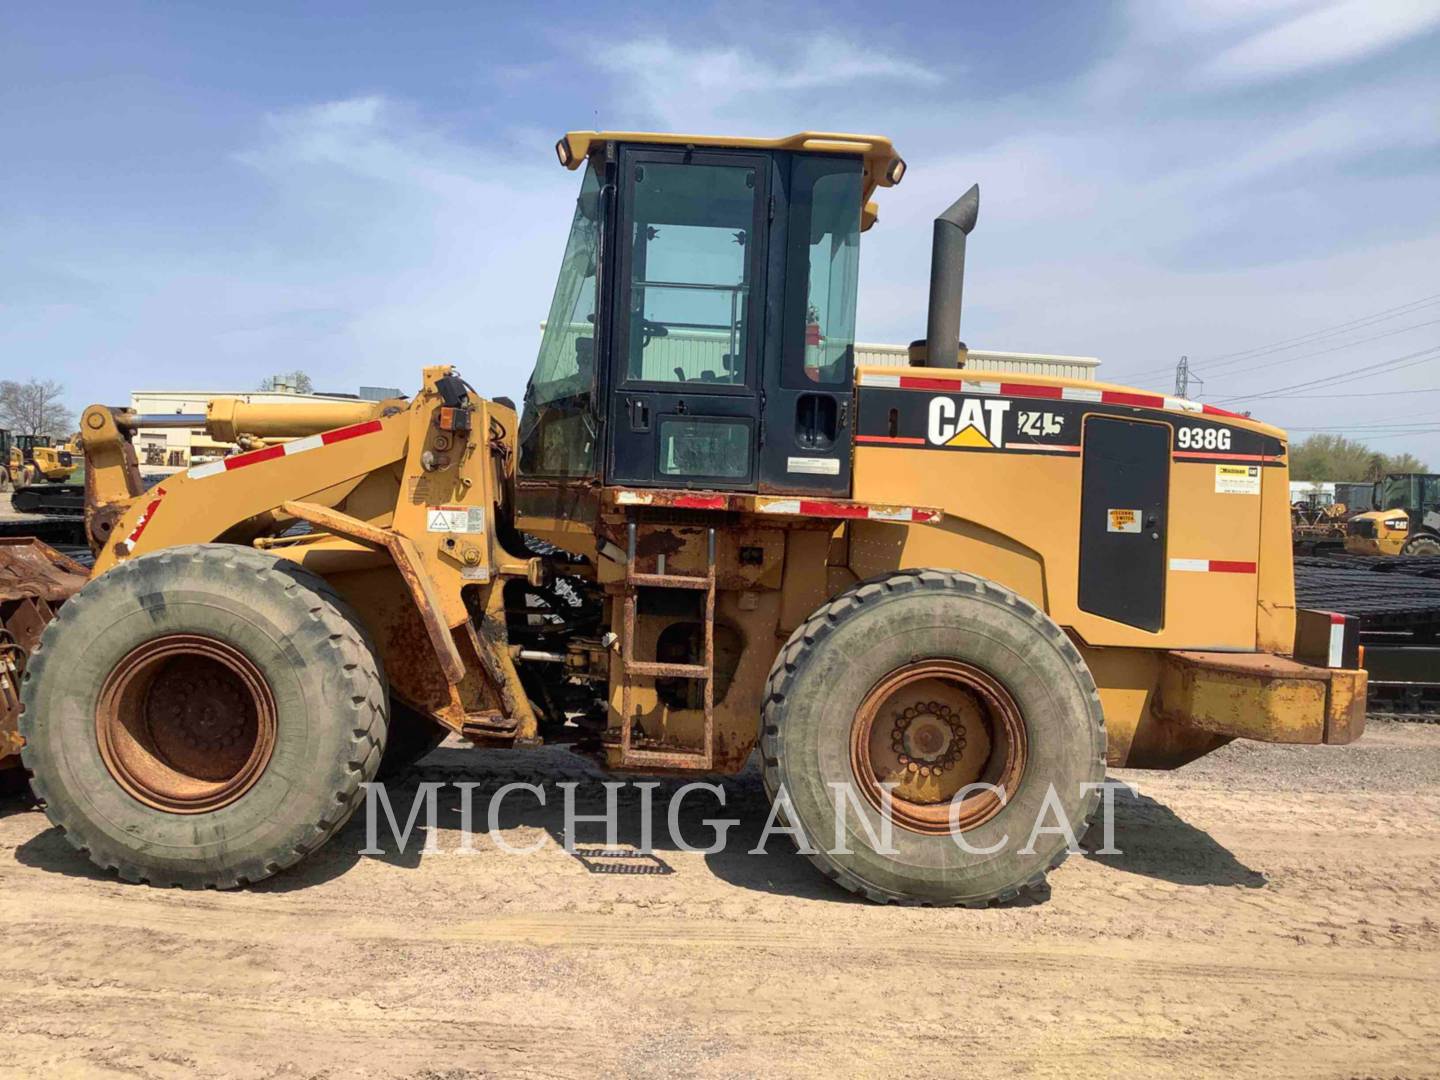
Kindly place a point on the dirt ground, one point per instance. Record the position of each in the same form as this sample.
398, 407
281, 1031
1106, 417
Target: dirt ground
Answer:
1276, 912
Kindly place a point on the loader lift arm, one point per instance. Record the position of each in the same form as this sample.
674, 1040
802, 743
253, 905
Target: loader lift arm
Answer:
406, 486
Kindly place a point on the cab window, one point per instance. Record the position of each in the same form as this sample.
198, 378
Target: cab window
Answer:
823, 269
690, 273
559, 429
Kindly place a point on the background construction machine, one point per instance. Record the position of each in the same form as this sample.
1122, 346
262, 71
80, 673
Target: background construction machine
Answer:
1406, 520
668, 564
34, 458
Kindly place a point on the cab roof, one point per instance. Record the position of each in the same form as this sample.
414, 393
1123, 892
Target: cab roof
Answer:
883, 167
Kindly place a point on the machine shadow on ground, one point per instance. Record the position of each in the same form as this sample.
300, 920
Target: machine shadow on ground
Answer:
1153, 840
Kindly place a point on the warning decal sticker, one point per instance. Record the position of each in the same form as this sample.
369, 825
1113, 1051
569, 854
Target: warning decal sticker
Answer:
1237, 479
455, 519
1122, 521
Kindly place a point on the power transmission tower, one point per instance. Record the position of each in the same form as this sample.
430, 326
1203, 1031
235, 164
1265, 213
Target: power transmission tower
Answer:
1184, 377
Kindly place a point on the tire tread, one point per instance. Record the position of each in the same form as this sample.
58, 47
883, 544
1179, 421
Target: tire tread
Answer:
339, 628
827, 618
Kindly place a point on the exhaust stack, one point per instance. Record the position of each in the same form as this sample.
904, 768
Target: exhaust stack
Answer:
947, 279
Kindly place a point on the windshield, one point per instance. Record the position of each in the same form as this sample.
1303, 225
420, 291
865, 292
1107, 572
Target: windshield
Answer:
1409, 492
557, 432
1429, 493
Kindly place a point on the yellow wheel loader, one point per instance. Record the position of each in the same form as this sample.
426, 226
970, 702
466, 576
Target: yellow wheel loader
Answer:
707, 533
1407, 521
34, 458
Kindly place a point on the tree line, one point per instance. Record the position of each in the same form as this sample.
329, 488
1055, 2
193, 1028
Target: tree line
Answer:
35, 407
1325, 457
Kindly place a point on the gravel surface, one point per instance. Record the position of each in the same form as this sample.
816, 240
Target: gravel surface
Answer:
1275, 912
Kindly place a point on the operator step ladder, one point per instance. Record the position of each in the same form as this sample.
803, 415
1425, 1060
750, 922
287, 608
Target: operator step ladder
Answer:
704, 672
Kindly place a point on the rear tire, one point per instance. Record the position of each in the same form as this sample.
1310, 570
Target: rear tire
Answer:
204, 716
1019, 696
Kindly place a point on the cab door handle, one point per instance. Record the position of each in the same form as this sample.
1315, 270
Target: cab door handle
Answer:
639, 410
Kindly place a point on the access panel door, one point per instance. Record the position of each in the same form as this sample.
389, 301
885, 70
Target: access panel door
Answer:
1123, 520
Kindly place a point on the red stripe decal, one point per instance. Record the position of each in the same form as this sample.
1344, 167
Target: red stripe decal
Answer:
912, 382
701, 502
1220, 566
1215, 410
897, 440
1026, 390
369, 427
1336, 620
1144, 401
149, 513
1210, 454
830, 509
254, 457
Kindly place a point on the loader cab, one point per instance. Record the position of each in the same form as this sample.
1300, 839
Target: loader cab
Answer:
1414, 492
701, 334
28, 444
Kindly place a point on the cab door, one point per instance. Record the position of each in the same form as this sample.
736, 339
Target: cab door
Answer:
684, 404
806, 437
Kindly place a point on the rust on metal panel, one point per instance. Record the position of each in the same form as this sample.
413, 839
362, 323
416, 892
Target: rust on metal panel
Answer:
35, 579
186, 724
1345, 715
25, 621
407, 561
29, 568
670, 581
929, 730
1262, 697
794, 506
658, 542
499, 665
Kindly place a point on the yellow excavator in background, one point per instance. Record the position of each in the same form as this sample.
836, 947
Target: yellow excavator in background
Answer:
707, 532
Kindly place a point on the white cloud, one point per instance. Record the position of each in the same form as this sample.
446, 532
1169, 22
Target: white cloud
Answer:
1134, 226
684, 85
1336, 34
370, 137
1165, 20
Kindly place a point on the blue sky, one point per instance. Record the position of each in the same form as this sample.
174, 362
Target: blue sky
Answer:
201, 195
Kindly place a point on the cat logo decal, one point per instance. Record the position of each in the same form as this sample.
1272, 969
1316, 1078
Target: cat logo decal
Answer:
973, 422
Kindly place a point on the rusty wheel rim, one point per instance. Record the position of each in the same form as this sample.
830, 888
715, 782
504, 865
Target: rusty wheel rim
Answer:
186, 724
931, 728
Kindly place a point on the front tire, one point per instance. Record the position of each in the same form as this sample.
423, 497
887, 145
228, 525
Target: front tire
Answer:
204, 716
1422, 545
933, 680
